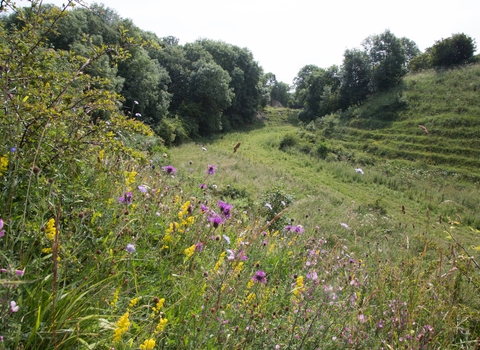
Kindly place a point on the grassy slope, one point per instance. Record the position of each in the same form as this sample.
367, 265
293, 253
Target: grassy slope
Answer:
330, 192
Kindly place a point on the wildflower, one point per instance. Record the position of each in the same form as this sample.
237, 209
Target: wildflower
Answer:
260, 276
199, 247
312, 276
299, 286
3, 164
170, 170
360, 171
158, 306
50, 229
115, 298
122, 326
161, 325
142, 189
362, 318
227, 239
203, 186
19, 272
211, 169
231, 254
133, 302
344, 225
216, 220
130, 248
148, 344
126, 198
2, 232
225, 208
189, 251
294, 228
204, 208
13, 306
136, 102
138, 115
204, 149
268, 205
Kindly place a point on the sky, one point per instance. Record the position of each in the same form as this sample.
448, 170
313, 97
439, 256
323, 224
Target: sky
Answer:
285, 36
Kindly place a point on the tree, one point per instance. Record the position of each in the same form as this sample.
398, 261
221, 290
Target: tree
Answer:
457, 49
209, 90
321, 97
300, 85
355, 78
387, 60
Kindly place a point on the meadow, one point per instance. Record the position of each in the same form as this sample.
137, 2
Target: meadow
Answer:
278, 236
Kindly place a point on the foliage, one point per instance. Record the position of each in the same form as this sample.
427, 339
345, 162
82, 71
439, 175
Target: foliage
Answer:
457, 49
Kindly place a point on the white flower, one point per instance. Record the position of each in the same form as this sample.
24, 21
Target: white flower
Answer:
344, 225
358, 170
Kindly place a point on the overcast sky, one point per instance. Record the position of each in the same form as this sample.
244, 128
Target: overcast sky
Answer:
284, 36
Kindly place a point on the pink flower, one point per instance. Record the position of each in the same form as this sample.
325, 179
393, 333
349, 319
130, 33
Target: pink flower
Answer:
14, 307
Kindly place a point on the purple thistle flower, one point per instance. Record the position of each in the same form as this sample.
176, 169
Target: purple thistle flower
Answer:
211, 169
298, 229
203, 186
199, 247
225, 208
126, 198
170, 170
203, 207
260, 276
216, 219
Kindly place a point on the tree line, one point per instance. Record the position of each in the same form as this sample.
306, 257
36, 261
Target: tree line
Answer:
208, 86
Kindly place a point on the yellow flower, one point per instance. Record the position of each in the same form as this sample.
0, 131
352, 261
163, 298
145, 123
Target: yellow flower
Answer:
115, 298
159, 305
50, 229
3, 164
148, 344
122, 326
299, 286
133, 302
130, 177
189, 251
161, 325
219, 262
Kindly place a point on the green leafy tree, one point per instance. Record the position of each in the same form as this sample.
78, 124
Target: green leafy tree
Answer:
387, 60
300, 85
321, 95
457, 49
355, 78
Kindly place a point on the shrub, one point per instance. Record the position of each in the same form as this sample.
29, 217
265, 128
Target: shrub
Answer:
289, 140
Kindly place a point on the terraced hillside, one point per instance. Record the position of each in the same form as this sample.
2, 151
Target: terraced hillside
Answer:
446, 103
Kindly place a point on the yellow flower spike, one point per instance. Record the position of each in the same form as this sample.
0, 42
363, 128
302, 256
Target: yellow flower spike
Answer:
122, 327
161, 325
3, 164
50, 230
189, 251
148, 344
133, 302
